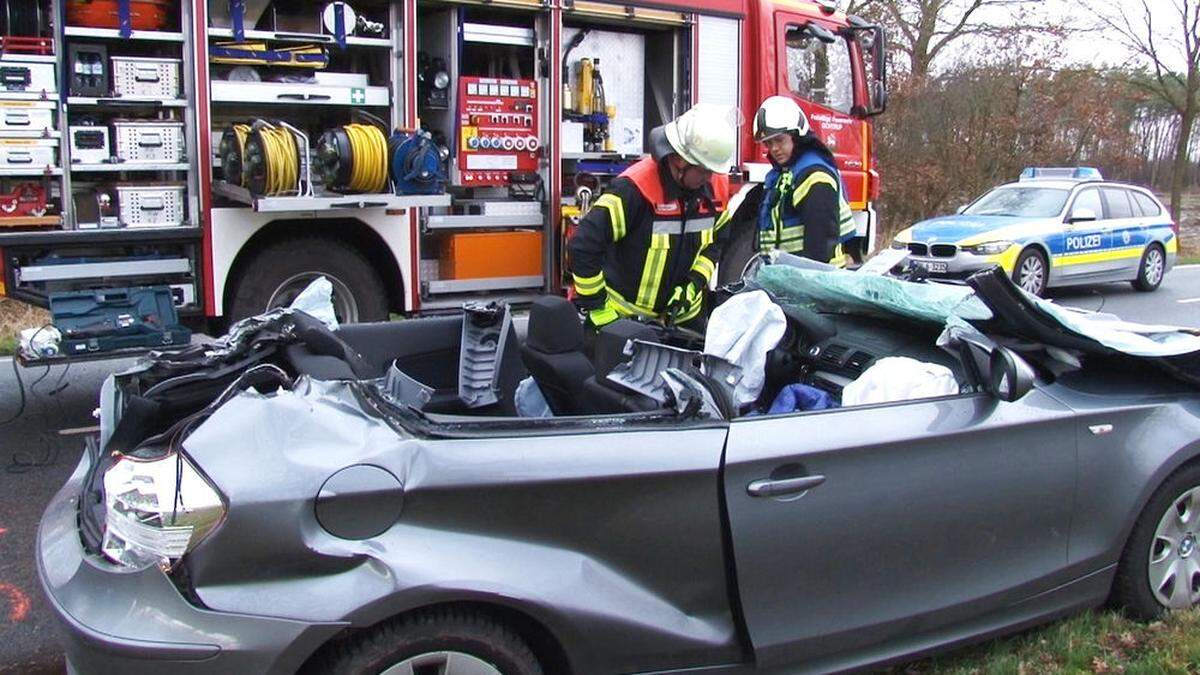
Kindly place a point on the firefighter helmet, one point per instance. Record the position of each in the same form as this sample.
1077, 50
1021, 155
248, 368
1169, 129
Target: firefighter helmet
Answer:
779, 115
705, 136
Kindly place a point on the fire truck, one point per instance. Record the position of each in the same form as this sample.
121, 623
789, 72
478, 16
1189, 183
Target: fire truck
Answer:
417, 153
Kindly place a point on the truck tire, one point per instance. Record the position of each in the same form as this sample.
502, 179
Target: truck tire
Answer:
742, 245
279, 272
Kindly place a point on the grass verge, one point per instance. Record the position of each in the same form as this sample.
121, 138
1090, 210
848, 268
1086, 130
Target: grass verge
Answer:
15, 316
1095, 642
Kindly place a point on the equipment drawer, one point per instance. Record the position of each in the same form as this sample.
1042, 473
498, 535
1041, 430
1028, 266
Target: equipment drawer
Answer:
33, 116
34, 154
151, 205
138, 77
148, 141
34, 77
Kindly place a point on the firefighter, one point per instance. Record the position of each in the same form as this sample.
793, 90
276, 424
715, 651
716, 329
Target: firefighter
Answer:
651, 242
804, 209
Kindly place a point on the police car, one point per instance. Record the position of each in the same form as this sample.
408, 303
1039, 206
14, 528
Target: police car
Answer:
1053, 227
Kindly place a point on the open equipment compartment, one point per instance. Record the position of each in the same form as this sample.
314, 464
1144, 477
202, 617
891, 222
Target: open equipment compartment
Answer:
482, 95
607, 119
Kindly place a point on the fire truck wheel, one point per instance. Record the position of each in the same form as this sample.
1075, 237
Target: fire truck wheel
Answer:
281, 271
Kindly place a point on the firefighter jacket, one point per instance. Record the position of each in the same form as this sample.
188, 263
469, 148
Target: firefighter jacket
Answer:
804, 210
643, 237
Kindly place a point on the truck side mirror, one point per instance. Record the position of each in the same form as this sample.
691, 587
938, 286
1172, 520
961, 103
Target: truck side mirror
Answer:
1009, 376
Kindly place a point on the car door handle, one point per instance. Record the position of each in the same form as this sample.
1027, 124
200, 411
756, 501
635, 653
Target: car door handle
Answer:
783, 487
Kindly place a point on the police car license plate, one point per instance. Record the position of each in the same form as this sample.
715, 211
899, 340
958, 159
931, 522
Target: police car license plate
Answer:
932, 266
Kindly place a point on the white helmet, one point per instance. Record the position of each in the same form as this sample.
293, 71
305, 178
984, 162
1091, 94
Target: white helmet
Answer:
779, 115
705, 136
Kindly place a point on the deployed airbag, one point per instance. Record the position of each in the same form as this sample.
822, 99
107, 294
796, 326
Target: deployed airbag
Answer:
899, 378
742, 331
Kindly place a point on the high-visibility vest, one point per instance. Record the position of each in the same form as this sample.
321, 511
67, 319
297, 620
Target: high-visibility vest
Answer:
779, 219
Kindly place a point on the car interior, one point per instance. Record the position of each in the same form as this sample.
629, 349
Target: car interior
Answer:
826, 351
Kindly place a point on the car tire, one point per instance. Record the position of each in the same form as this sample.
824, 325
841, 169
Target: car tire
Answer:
1031, 272
437, 639
280, 271
1151, 270
1162, 551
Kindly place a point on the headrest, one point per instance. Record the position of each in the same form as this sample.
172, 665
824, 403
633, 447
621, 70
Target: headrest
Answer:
610, 344
554, 326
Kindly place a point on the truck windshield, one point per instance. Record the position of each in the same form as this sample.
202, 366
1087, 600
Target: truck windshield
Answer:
1024, 202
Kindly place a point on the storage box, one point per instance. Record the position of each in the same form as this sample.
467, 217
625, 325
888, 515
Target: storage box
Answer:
482, 255
34, 153
138, 77
35, 77
148, 141
151, 205
89, 145
36, 116
119, 318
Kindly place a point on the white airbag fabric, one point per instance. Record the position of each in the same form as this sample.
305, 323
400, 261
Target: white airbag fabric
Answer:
742, 331
899, 378
316, 300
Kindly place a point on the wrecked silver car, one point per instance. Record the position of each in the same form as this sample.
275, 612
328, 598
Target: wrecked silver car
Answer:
367, 499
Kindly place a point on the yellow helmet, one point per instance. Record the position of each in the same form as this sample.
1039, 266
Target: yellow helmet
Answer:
705, 136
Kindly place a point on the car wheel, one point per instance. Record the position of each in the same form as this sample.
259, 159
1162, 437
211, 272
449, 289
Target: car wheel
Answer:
281, 271
1031, 271
443, 641
1160, 567
1151, 269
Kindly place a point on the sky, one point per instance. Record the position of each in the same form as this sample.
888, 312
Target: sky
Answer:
1095, 47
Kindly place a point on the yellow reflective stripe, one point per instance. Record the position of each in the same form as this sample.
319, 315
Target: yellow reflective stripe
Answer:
656, 262
704, 267
839, 257
589, 285
626, 308
616, 214
724, 218
815, 178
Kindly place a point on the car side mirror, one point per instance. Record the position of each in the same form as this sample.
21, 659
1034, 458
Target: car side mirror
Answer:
962, 208
1010, 377
1082, 215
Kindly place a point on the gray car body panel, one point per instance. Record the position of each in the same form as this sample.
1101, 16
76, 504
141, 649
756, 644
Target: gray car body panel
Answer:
637, 559
118, 621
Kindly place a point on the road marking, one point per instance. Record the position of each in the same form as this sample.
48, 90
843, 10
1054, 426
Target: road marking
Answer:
1188, 301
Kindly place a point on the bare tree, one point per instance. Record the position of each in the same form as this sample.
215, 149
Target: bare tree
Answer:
923, 29
1168, 41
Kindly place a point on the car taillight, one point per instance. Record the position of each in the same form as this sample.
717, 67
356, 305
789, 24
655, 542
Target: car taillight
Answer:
156, 510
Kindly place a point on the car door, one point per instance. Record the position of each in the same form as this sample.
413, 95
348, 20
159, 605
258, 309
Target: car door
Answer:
917, 514
1078, 245
1122, 228
1129, 242
820, 75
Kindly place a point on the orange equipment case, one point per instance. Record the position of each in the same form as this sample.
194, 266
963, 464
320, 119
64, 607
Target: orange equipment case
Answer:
480, 255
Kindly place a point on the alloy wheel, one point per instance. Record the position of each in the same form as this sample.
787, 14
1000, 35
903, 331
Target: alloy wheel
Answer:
1174, 571
1154, 266
1031, 275
442, 663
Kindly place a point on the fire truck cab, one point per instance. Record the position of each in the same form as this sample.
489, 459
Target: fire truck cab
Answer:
418, 153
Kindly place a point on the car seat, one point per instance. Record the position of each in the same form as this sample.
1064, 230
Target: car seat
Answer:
553, 353
604, 395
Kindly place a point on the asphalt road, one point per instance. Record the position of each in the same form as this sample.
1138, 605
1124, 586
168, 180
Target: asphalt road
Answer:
36, 457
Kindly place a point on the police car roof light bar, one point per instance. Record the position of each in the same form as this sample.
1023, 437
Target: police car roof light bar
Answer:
1061, 173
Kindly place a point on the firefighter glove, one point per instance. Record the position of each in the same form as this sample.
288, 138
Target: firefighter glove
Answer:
599, 318
683, 298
